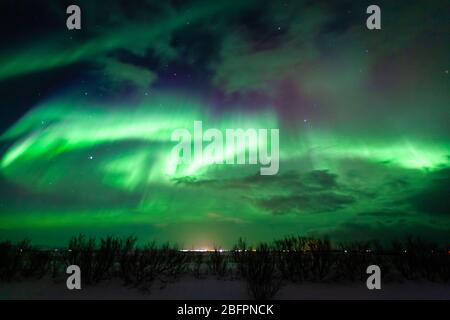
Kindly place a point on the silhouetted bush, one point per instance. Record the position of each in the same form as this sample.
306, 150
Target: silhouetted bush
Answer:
81, 252
354, 258
353, 261
239, 255
105, 256
128, 260
444, 264
12, 259
301, 258
152, 263
217, 263
197, 264
322, 258
258, 267
36, 263
420, 259
292, 258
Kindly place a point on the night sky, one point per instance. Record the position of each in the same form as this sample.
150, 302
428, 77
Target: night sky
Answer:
86, 118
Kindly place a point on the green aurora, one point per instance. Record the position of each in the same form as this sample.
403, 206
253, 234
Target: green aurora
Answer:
363, 119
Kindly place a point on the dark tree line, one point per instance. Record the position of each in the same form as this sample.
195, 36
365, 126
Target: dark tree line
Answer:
264, 267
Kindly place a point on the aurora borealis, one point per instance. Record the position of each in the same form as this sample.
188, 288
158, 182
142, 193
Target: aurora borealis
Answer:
86, 120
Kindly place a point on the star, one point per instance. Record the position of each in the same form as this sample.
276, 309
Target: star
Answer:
91, 157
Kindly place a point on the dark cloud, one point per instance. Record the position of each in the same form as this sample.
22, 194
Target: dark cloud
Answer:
387, 232
311, 192
195, 182
384, 214
322, 178
434, 199
315, 179
306, 203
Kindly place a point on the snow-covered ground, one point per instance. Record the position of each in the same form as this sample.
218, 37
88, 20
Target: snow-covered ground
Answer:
213, 288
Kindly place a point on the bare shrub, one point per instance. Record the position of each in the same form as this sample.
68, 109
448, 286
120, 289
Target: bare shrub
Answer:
12, 259
36, 263
353, 260
292, 259
105, 256
152, 263
322, 258
258, 267
128, 260
197, 264
217, 263
81, 252
417, 258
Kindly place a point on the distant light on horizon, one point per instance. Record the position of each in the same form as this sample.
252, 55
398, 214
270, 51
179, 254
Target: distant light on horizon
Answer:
204, 250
